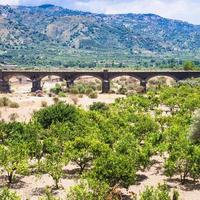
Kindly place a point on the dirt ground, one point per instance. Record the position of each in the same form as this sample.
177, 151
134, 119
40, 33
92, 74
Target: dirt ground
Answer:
29, 103
32, 187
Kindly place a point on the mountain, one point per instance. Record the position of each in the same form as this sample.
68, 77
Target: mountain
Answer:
51, 35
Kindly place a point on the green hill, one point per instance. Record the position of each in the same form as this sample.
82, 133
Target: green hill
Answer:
48, 35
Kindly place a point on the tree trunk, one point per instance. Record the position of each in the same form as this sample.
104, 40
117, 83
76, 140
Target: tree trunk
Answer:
57, 181
10, 178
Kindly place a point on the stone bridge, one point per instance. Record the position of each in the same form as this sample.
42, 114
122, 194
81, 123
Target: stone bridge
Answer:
105, 76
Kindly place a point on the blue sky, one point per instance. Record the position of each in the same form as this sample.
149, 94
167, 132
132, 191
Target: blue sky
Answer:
187, 10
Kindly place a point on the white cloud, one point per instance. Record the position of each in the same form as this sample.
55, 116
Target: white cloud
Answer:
9, 2
187, 10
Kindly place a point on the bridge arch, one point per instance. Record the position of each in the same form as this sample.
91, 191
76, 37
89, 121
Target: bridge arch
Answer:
124, 84
10, 76
85, 82
158, 80
50, 80
19, 83
125, 74
76, 77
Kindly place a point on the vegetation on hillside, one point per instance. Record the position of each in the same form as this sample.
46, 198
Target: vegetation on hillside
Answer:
54, 36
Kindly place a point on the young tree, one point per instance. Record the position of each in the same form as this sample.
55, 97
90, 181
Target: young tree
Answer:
83, 150
14, 159
89, 189
195, 128
161, 192
53, 165
188, 65
114, 169
59, 112
183, 159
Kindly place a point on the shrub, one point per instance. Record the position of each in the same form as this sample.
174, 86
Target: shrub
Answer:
56, 89
55, 100
48, 195
188, 65
74, 99
6, 194
122, 90
93, 95
13, 117
161, 192
89, 91
44, 104
74, 90
4, 101
99, 106
61, 94
114, 169
80, 96
13, 105
90, 190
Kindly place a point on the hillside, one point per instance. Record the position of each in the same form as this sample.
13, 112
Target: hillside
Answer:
48, 35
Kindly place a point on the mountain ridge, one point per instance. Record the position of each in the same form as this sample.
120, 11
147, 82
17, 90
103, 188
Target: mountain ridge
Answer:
134, 35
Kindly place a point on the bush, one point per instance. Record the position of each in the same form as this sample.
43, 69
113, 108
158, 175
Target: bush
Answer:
13, 117
89, 91
80, 96
162, 192
55, 100
122, 90
6, 194
93, 95
99, 106
13, 105
48, 195
56, 89
44, 104
74, 90
4, 101
90, 190
188, 65
74, 99
61, 94
114, 169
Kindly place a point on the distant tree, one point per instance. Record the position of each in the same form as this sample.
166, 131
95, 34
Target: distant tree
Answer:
188, 65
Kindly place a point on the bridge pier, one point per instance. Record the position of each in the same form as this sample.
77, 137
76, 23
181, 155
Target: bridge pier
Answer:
105, 86
143, 83
36, 85
4, 86
69, 83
